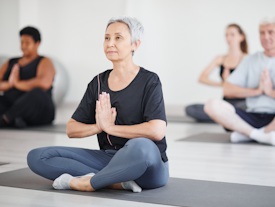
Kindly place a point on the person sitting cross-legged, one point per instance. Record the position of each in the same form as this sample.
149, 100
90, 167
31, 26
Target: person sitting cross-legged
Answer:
125, 108
254, 80
26, 85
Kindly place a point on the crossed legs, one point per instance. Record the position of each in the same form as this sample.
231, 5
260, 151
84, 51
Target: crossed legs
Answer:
225, 114
139, 160
35, 107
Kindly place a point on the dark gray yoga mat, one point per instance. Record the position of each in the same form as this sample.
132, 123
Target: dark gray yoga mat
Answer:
215, 138
177, 192
185, 119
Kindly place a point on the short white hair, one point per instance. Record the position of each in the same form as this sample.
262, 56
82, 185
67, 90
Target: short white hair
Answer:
267, 20
135, 27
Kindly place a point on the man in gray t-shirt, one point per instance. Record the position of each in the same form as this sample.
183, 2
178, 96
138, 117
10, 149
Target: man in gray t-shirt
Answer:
253, 79
248, 75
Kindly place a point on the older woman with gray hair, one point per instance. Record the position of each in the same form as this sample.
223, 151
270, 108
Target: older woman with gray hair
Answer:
125, 108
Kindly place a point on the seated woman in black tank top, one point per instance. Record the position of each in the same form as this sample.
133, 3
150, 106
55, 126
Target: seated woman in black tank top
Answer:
236, 41
26, 85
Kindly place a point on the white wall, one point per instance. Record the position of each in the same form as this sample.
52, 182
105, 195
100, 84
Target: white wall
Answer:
73, 33
9, 35
181, 37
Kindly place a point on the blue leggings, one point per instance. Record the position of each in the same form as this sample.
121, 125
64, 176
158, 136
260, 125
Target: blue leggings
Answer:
138, 160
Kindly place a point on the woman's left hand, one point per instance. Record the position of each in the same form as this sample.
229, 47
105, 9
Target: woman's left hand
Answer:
225, 74
14, 75
106, 115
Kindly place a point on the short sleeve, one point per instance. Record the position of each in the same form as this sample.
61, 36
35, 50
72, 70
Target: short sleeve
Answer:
85, 112
240, 74
153, 103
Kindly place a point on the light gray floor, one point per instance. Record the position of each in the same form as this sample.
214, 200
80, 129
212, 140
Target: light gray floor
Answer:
202, 161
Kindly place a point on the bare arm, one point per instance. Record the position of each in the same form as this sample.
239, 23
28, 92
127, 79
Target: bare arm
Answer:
235, 91
271, 94
204, 77
4, 85
77, 129
44, 77
154, 130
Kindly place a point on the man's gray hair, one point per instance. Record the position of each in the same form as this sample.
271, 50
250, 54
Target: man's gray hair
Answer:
136, 28
267, 20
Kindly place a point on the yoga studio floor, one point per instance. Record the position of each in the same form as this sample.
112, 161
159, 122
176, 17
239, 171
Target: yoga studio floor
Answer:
194, 160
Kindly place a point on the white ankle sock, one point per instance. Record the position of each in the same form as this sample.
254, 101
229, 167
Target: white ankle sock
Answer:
131, 185
260, 136
63, 181
236, 137
89, 174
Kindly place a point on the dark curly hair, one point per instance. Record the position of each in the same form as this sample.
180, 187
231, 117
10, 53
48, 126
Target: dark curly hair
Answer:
32, 32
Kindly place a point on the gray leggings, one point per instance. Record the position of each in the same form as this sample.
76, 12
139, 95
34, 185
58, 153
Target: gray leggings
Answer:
138, 160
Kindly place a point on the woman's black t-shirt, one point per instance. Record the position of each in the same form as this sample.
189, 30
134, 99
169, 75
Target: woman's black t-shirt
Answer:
141, 101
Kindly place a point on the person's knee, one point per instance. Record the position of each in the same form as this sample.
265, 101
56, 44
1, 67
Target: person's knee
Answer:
214, 106
144, 149
35, 94
140, 145
34, 157
210, 105
191, 110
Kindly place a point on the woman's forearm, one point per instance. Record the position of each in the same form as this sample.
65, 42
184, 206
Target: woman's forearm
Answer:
4, 85
204, 77
27, 85
154, 130
206, 81
79, 130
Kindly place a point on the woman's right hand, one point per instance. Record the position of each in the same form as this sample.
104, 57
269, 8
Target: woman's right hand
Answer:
97, 122
113, 111
225, 74
105, 113
14, 70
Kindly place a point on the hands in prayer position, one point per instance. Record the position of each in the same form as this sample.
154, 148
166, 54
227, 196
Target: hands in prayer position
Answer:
105, 113
15, 75
225, 74
268, 85
265, 85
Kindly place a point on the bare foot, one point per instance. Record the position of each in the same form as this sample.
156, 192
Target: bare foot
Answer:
82, 184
